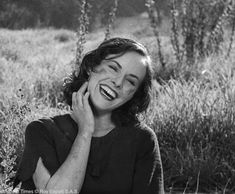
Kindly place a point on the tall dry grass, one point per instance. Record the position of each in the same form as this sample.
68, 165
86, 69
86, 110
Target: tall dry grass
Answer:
195, 123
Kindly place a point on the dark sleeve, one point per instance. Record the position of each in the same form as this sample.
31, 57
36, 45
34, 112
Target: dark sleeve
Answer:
38, 143
148, 176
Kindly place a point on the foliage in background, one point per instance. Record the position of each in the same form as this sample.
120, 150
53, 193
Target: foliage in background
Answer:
154, 21
197, 30
18, 14
195, 123
111, 17
12, 118
81, 32
194, 110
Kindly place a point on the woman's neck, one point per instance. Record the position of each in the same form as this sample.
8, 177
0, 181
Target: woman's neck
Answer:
103, 124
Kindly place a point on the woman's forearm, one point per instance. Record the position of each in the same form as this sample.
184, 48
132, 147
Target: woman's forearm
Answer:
71, 173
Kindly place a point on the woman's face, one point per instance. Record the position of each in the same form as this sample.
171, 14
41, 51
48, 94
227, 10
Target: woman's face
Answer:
116, 80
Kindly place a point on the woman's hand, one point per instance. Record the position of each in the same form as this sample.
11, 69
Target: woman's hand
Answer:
82, 112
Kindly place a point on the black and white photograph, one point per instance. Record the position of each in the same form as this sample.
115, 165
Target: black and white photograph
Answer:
117, 96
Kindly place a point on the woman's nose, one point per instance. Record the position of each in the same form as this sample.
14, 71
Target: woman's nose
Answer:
117, 81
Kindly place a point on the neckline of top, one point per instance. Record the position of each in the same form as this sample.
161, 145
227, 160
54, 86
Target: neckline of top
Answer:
107, 135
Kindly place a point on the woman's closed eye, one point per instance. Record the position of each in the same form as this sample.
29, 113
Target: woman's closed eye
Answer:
131, 82
113, 68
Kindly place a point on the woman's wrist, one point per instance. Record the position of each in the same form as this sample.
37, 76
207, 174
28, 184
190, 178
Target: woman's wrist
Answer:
85, 133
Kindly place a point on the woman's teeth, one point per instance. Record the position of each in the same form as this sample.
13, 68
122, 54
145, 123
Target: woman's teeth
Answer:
107, 92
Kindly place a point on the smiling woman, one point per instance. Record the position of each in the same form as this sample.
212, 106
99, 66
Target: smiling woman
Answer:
115, 81
100, 147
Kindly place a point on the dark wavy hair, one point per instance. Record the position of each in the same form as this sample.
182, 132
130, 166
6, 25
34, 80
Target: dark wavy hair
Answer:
129, 112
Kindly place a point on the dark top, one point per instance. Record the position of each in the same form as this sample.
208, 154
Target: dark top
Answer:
124, 161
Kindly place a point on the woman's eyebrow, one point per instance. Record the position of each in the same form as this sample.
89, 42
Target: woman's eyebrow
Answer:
119, 66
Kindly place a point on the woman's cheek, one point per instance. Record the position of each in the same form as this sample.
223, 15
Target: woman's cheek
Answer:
101, 70
129, 93
95, 77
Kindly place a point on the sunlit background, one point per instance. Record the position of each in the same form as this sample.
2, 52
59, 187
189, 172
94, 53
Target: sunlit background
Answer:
192, 46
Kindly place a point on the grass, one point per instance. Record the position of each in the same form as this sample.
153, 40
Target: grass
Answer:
194, 119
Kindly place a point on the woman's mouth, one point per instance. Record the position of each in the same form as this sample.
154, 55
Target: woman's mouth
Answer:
108, 92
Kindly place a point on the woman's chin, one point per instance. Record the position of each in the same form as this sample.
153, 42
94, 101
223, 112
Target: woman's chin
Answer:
103, 104
100, 107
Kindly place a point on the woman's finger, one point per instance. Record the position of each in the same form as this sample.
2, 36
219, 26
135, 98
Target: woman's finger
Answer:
86, 101
83, 88
73, 99
79, 102
87, 108
76, 103
80, 94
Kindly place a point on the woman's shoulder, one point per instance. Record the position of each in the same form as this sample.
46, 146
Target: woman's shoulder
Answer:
53, 120
144, 132
145, 139
45, 126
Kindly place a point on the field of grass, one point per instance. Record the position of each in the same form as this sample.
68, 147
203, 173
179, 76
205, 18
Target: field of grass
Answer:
194, 119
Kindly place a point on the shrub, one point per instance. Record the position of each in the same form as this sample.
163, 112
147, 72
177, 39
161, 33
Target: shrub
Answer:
197, 31
13, 116
63, 37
